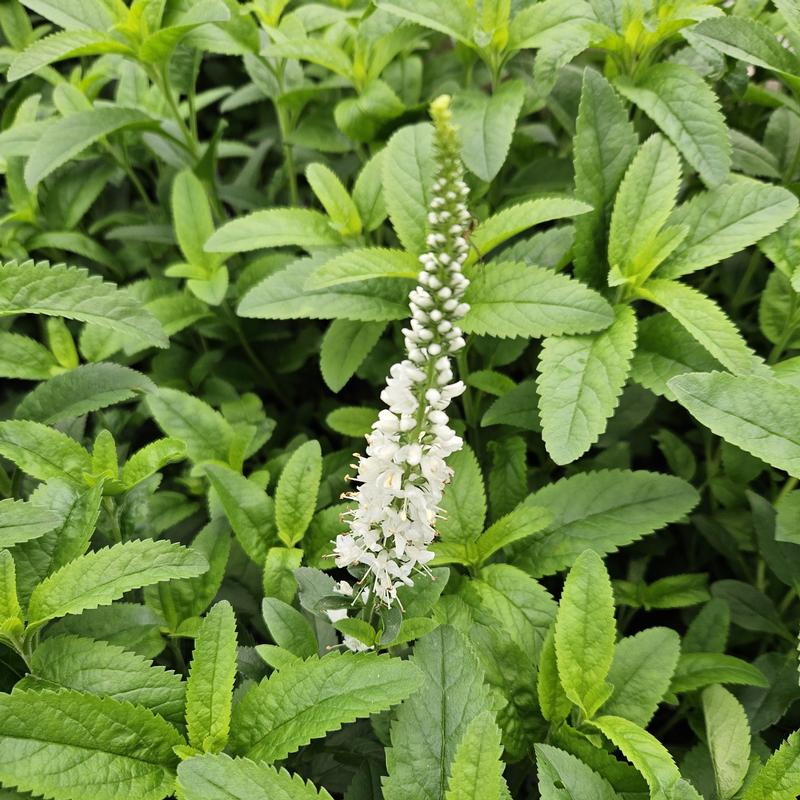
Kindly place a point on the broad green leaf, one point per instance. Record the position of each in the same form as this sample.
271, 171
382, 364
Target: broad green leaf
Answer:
99, 668
644, 201
61, 45
665, 349
728, 737
645, 752
604, 144
279, 572
104, 575
249, 509
585, 633
9, 602
345, 345
289, 628
317, 51
220, 777
455, 19
682, 104
464, 499
696, 670
536, 27
296, 492
86, 388
356, 421
580, 381
516, 408
275, 227
69, 292
724, 221
150, 459
756, 414
363, 264
284, 296
73, 15
23, 357
70, 745
476, 770
334, 198
510, 221
486, 126
562, 776
209, 689
602, 511
519, 524
408, 172
21, 522
779, 778
207, 434
452, 695
513, 299
508, 475
641, 673
42, 452
706, 322
191, 215
291, 707
71, 135
368, 193
748, 40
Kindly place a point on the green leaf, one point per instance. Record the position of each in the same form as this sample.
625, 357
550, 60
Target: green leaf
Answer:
70, 745
317, 51
296, 492
676, 591
220, 777
205, 432
585, 633
9, 602
275, 227
779, 778
706, 322
23, 357
345, 345
249, 509
452, 695
513, 299
368, 193
553, 703
408, 172
696, 670
21, 522
643, 203
602, 511
464, 499
209, 689
728, 737
191, 215
486, 126
724, 221
279, 568
42, 452
455, 19
70, 136
150, 459
102, 576
682, 104
756, 414
477, 771
537, 27
645, 752
61, 291
562, 776
517, 525
61, 45
291, 707
508, 476
604, 144
641, 673
354, 421
516, 408
76, 15
86, 388
99, 668
334, 198
362, 264
515, 219
580, 381
289, 628
284, 296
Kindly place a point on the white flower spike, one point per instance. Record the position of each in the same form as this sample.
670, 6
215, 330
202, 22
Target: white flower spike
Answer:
403, 475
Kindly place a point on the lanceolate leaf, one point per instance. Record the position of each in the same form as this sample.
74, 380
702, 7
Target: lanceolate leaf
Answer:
21, 522
558, 769
580, 380
728, 734
275, 227
779, 778
296, 492
344, 347
359, 265
292, 707
71, 745
105, 575
477, 770
756, 414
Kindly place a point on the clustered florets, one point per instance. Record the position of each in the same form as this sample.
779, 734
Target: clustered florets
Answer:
403, 475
